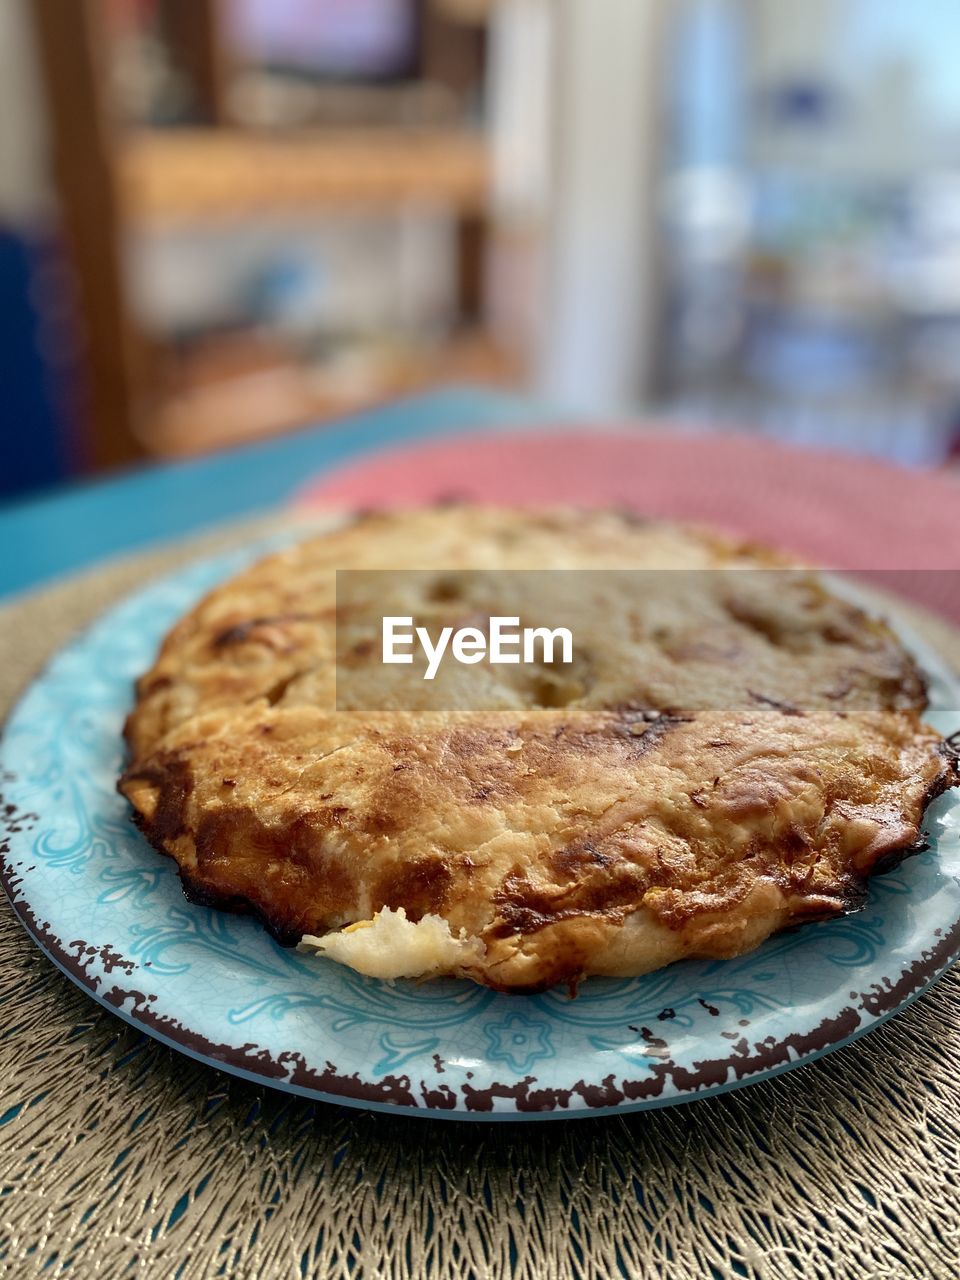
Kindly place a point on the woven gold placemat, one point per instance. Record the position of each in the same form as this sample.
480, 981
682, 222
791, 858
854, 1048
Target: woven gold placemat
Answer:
119, 1157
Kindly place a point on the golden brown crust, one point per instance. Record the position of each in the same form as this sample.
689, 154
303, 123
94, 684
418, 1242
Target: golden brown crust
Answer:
708, 780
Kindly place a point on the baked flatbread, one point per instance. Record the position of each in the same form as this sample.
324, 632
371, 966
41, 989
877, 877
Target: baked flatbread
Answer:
733, 750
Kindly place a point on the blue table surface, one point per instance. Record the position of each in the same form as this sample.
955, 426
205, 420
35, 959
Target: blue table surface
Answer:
75, 525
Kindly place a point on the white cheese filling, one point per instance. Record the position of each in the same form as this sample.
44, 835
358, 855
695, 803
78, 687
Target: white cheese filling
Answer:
391, 946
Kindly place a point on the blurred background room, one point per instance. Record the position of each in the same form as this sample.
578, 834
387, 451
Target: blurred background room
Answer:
225, 220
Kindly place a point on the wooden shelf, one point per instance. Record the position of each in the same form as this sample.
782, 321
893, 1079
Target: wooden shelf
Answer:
217, 406
188, 175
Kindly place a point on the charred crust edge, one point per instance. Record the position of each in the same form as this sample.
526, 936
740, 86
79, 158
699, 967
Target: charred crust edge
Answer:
398, 1091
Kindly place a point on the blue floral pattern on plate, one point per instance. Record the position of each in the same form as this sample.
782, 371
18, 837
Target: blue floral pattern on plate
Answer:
110, 912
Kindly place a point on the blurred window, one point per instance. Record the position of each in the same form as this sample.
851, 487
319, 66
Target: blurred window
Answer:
811, 215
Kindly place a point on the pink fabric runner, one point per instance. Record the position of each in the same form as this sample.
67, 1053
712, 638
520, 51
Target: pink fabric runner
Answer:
834, 509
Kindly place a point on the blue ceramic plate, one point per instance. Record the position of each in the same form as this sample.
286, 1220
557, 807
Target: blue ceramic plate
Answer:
110, 913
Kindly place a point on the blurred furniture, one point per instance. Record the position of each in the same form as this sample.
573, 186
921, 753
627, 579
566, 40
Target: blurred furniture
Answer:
114, 179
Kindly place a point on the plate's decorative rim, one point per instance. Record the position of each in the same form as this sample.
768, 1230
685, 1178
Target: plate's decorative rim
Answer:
666, 1083
394, 1094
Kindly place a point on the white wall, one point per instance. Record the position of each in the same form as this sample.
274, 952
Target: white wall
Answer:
601, 288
